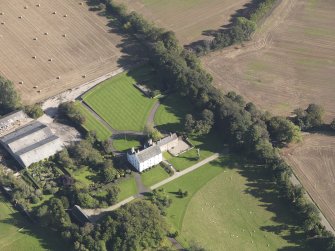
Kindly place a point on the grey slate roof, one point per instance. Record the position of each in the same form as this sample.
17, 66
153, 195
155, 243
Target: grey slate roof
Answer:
31, 143
167, 139
12, 117
148, 153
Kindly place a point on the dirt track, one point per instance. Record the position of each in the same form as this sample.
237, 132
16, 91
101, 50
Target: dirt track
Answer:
313, 162
289, 63
68, 44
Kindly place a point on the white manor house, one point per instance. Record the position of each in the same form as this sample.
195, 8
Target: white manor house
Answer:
152, 155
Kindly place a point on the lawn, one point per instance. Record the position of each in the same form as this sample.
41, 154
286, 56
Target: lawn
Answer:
154, 176
123, 144
227, 208
127, 187
208, 145
17, 234
171, 113
119, 103
93, 124
83, 175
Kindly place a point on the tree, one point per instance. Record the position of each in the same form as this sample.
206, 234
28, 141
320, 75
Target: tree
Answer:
112, 194
70, 111
153, 132
109, 174
34, 111
332, 125
242, 29
283, 131
9, 98
85, 200
310, 118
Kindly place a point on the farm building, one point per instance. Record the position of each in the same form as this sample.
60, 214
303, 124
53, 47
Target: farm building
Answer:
31, 143
152, 155
79, 215
11, 120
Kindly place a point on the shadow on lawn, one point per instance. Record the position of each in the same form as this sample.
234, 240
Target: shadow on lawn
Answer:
261, 188
49, 240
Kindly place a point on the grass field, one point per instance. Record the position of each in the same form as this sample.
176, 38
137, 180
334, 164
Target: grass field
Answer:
119, 103
226, 209
208, 145
154, 176
171, 112
289, 63
127, 187
92, 124
313, 161
89, 48
187, 18
83, 175
123, 144
17, 234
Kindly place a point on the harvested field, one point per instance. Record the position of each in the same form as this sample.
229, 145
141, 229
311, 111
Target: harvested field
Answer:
290, 62
313, 162
54, 52
187, 18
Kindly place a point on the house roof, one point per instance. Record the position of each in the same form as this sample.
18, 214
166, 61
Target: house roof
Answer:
148, 153
12, 117
167, 139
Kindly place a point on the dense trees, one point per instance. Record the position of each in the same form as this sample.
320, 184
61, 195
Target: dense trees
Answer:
71, 111
201, 126
283, 131
9, 98
332, 125
310, 118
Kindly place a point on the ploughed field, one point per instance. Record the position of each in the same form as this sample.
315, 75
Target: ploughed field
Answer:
187, 18
313, 161
54, 46
289, 63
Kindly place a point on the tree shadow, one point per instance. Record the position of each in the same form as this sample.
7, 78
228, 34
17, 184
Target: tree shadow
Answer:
260, 186
48, 239
243, 12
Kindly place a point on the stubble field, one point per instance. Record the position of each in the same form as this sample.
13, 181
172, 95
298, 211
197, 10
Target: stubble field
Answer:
67, 39
289, 63
187, 18
313, 162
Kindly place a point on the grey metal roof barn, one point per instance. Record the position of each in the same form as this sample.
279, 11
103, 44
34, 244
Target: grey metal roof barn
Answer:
31, 143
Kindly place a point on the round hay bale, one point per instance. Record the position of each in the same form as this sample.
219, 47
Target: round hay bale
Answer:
58, 77
35, 87
64, 35
65, 15
35, 38
50, 59
39, 91
20, 17
21, 82
34, 57
2, 23
80, 3
25, 7
46, 33
2, 13
84, 76
54, 12
38, 5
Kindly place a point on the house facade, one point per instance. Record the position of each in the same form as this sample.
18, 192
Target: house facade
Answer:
151, 155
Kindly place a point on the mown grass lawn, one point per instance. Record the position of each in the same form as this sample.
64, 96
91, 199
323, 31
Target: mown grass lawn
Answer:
93, 124
119, 103
171, 113
123, 144
208, 145
153, 176
226, 209
127, 188
83, 175
17, 234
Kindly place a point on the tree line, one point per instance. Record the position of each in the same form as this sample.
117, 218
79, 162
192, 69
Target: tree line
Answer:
248, 130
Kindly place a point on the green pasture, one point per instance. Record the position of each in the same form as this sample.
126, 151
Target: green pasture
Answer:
120, 103
17, 233
93, 124
227, 207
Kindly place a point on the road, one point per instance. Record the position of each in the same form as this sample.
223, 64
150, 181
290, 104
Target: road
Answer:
95, 214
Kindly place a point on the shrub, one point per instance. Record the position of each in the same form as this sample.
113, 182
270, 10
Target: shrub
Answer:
34, 111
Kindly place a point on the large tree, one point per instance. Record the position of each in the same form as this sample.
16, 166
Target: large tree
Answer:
9, 98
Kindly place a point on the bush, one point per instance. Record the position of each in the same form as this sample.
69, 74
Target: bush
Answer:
71, 112
34, 111
9, 98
